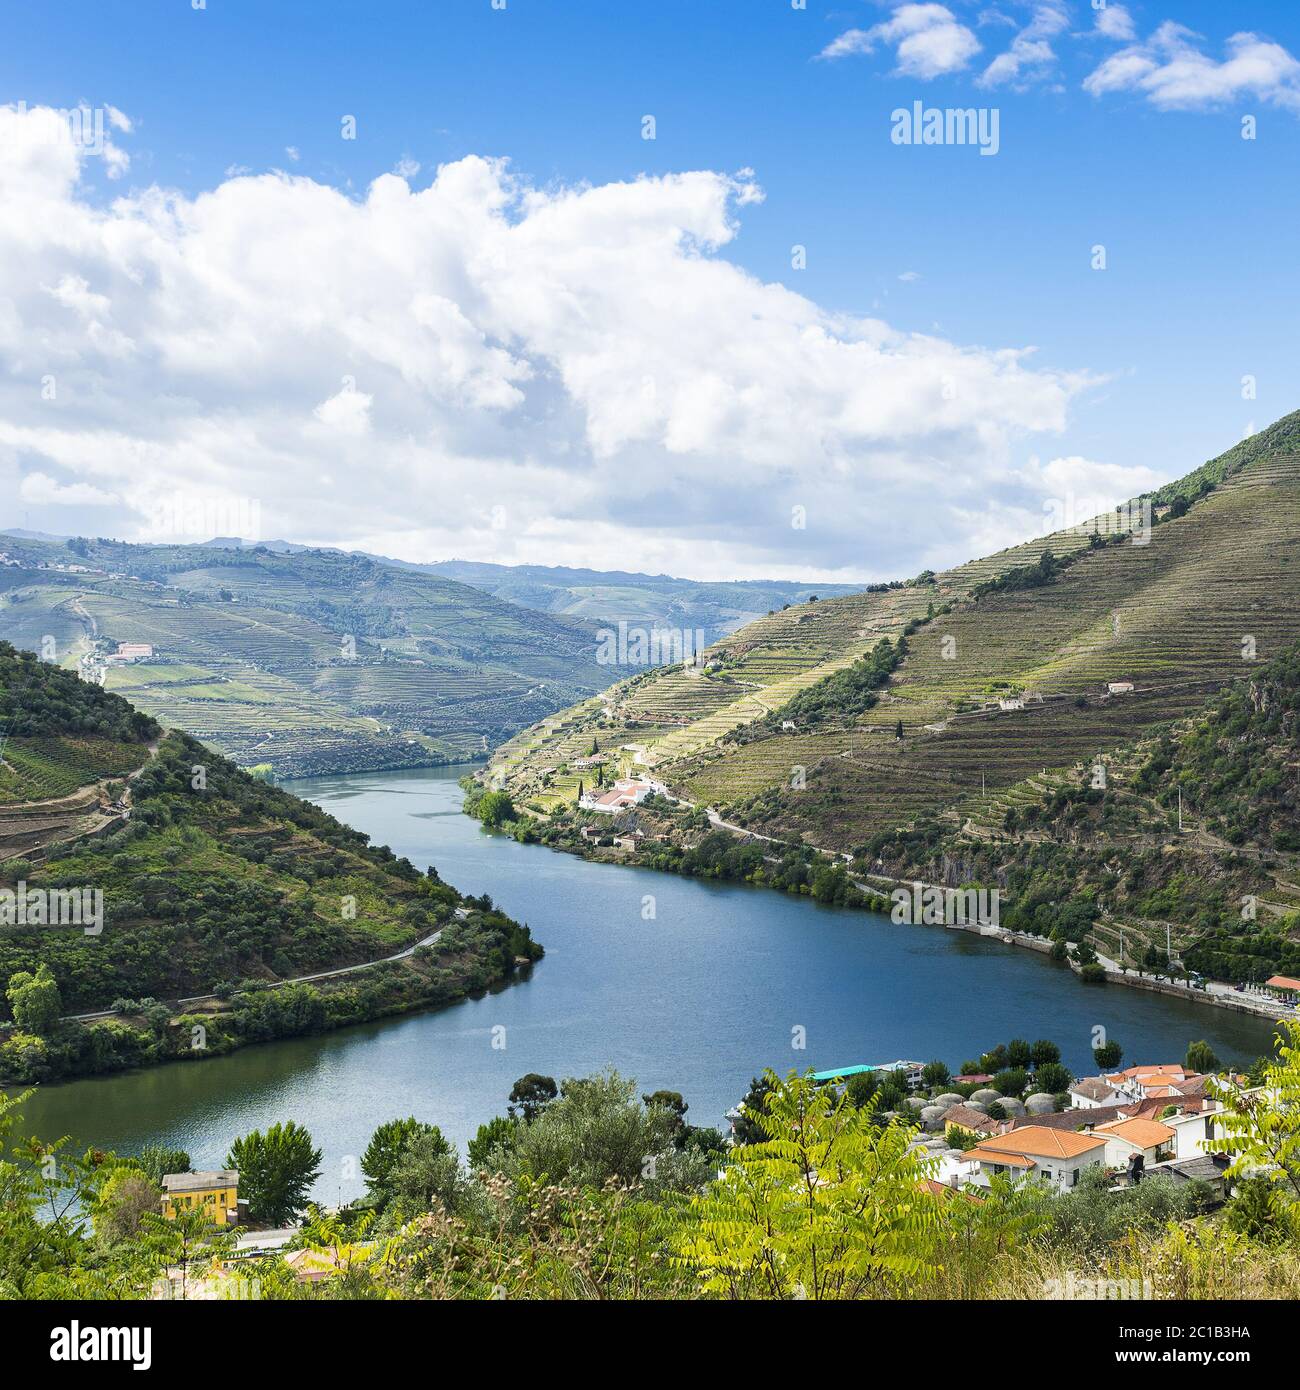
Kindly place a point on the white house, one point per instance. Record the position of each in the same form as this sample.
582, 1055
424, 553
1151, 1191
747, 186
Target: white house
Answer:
1012, 702
626, 792
1153, 1139
1119, 687
1092, 1092
1191, 1130
1056, 1156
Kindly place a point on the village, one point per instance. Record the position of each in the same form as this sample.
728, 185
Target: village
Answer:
1119, 1128
1147, 1120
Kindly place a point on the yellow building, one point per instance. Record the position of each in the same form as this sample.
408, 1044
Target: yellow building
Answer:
217, 1191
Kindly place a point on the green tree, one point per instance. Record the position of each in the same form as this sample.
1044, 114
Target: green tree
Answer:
532, 1094
1053, 1078
426, 1172
497, 1134
1011, 1081
35, 1000
1108, 1055
828, 1205
155, 1161
1200, 1058
384, 1151
496, 808
1044, 1050
1261, 1124
935, 1073
276, 1171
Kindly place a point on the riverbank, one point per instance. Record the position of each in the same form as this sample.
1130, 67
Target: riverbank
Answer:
687, 984
659, 852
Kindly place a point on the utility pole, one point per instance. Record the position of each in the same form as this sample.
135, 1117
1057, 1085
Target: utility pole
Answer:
1169, 949
1180, 810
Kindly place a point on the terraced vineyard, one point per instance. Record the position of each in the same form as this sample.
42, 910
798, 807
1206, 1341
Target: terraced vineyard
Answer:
1178, 614
312, 662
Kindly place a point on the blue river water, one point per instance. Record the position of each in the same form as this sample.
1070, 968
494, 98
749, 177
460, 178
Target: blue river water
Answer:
718, 982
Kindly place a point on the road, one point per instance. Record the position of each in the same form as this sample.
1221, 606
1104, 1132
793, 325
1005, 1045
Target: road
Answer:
297, 979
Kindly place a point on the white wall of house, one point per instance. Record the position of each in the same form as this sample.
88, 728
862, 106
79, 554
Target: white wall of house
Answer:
1078, 1102
1061, 1173
1190, 1133
1119, 1151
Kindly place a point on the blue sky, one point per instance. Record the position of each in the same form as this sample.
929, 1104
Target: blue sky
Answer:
1200, 287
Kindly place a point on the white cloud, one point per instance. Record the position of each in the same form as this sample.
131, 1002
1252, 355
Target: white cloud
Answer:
406, 167
909, 277
580, 360
42, 490
293, 153
1172, 72
348, 412
1115, 22
1031, 54
928, 41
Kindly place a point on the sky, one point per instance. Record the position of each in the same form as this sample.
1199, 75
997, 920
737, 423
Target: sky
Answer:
676, 287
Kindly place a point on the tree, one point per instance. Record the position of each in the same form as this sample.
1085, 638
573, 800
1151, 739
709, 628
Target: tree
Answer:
898, 731
1011, 1081
35, 1000
1044, 1050
276, 1171
1018, 1052
427, 1172
156, 1161
1261, 1124
1053, 1078
935, 1073
597, 1131
1107, 1055
532, 1094
496, 808
672, 1102
829, 1205
745, 1127
1200, 1058
577, 799
384, 1151
496, 1135
126, 1198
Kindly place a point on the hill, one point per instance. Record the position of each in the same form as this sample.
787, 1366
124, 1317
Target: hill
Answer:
312, 661
611, 596
1000, 672
212, 889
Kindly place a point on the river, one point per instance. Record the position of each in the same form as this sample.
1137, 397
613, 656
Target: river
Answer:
719, 982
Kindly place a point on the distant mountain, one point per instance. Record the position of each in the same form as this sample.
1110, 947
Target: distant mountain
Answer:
310, 660
717, 608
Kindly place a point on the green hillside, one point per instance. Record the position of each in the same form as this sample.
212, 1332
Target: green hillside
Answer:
660, 600
211, 881
1002, 691
312, 661
1111, 864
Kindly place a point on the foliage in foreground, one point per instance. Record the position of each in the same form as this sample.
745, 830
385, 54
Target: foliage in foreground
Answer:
596, 1193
